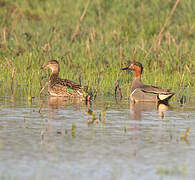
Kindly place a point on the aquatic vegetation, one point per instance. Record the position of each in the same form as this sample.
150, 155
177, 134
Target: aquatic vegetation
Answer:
96, 117
73, 130
92, 47
184, 136
172, 171
42, 135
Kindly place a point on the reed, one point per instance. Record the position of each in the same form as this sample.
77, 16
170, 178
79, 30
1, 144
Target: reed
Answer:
92, 40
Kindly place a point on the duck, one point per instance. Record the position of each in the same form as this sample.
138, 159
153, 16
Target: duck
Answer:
140, 92
63, 87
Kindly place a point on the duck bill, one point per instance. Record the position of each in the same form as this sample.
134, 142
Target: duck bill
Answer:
127, 68
44, 67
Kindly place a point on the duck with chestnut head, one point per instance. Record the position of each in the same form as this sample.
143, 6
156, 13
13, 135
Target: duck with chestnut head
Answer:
140, 92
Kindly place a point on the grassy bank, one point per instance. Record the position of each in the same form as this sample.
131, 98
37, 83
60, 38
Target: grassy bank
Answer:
93, 40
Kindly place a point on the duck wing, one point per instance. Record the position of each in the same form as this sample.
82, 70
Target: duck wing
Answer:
155, 90
138, 95
67, 83
162, 94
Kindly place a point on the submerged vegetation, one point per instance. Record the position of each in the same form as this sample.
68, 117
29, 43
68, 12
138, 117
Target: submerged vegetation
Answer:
92, 40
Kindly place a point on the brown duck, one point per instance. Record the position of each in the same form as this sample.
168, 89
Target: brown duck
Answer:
63, 87
142, 92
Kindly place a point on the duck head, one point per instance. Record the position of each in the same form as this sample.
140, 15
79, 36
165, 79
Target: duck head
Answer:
53, 65
136, 67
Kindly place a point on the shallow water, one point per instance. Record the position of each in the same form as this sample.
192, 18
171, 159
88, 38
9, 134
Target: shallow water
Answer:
51, 138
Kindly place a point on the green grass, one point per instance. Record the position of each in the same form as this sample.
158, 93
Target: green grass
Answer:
110, 33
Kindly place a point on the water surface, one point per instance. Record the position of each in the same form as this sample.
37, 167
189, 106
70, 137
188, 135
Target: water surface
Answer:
52, 138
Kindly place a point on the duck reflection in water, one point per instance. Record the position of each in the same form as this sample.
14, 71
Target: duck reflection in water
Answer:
139, 107
62, 103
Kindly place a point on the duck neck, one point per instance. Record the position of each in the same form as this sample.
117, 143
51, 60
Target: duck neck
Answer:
54, 76
138, 74
136, 83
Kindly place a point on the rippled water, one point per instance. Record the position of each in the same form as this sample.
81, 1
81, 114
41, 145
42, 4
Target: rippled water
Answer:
51, 138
